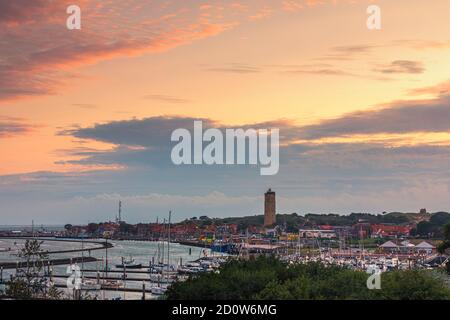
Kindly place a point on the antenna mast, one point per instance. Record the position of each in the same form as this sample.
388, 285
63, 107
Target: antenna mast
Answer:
120, 211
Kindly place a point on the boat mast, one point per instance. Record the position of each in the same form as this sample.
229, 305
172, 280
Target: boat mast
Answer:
162, 244
158, 259
168, 244
82, 257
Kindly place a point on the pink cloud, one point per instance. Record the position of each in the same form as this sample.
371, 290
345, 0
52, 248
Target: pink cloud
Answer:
11, 127
439, 89
39, 54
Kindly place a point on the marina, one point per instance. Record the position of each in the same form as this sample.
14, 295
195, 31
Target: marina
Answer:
122, 270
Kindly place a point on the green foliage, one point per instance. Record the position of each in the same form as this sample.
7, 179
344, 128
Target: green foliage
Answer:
269, 278
294, 221
447, 231
446, 243
18, 288
54, 294
412, 285
92, 227
126, 228
397, 218
433, 227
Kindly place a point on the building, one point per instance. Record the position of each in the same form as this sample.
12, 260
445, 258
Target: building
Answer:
269, 208
425, 248
389, 247
384, 231
405, 247
317, 233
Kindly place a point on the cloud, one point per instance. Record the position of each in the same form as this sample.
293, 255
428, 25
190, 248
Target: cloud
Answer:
320, 70
421, 44
314, 177
153, 134
402, 66
237, 68
146, 142
297, 5
147, 132
32, 64
397, 117
10, 127
165, 98
339, 178
24, 11
388, 128
347, 52
355, 51
439, 89
262, 13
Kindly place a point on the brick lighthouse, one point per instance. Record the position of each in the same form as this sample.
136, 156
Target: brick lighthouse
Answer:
269, 208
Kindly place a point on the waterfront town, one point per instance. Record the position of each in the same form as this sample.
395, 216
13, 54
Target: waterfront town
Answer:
358, 241
404, 234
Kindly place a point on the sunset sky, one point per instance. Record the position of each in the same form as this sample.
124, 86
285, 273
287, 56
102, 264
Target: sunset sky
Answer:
86, 115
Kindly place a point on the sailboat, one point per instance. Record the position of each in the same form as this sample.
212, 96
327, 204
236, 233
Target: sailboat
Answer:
165, 276
158, 290
129, 264
87, 284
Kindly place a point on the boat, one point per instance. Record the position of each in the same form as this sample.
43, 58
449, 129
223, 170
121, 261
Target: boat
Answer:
190, 270
162, 267
112, 284
158, 290
162, 278
223, 247
90, 285
129, 264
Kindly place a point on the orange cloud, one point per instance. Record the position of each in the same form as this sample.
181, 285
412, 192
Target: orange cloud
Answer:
41, 54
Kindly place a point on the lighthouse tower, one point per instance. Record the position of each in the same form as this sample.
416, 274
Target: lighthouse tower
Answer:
269, 208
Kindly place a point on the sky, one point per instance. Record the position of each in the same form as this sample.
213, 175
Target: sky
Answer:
86, 115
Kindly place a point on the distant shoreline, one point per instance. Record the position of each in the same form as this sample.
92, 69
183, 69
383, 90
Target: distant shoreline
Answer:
103, 244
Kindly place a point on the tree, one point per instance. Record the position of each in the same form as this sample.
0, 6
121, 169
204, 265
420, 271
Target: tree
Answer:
446, 244
30, 282
433, 227
412, 285
269, 278
92, 228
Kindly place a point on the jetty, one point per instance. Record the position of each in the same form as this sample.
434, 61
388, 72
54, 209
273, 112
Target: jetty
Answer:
46, 263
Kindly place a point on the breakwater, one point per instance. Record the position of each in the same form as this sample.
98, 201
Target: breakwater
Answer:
45, 263
101, 244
